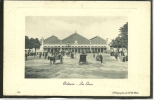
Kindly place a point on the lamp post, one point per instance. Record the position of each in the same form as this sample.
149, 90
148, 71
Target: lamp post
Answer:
68, 45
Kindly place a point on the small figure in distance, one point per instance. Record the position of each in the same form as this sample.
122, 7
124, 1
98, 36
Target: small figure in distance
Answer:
101, 58
116, 55
46, 53
93, 54
26, 55
40, 54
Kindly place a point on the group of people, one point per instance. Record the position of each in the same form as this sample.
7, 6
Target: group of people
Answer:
120, 55
48, 55
98, 57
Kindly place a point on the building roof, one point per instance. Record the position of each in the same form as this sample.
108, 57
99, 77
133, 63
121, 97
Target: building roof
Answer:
76, 38
97, 40
52, 40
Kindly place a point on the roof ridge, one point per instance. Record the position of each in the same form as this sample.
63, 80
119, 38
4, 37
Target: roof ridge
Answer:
82, 36
93, 37
98, 37
68, 36
52, 36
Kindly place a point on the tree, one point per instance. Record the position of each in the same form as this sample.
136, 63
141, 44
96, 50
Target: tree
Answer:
124, 35
112, 44
36, 44
26, 42
122, 40
118, 43
32, 43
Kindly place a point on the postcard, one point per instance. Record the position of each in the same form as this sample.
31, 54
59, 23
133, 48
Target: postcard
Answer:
77, 48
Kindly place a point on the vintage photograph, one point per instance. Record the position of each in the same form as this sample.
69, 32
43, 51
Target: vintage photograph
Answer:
76, 47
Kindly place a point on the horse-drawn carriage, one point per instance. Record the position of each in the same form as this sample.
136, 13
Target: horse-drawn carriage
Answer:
83, 59
55, 58
98, 58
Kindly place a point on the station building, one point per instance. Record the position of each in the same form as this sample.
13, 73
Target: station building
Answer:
75, 43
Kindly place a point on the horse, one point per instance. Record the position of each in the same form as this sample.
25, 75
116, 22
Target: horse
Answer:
52, 59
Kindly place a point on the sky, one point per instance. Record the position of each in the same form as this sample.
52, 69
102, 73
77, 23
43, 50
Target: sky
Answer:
63, 26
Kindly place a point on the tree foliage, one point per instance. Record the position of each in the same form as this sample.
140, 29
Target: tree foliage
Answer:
32, 43
121, 41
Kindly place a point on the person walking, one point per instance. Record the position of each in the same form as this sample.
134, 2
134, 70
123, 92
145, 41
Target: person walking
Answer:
93, 55
49, 55
101, 58
46, 54
116, 55
40, 55
26, 55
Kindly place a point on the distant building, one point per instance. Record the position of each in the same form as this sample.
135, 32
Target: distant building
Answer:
75, 43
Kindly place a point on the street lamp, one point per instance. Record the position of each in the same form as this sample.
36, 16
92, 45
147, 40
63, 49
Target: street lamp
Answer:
68, 45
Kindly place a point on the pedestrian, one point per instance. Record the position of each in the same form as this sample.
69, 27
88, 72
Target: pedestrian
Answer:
119, 55
48, 55
26, 55
72, 55
51, 58
101, 58
94, 55
34, 54
45, 55
40, 55
116, 55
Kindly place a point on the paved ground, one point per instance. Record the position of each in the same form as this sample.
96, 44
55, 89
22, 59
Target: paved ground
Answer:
109, 69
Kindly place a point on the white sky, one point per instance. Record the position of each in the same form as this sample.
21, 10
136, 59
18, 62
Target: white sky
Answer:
63, 26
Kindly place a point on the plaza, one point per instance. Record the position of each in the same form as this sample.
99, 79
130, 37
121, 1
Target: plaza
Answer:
109, 69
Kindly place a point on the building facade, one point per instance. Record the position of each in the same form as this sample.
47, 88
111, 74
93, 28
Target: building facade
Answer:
75, 43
